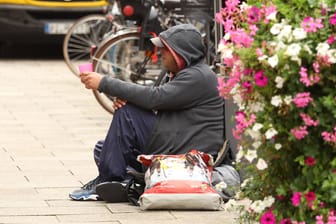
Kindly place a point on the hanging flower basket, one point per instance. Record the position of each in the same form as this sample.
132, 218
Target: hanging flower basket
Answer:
279, 60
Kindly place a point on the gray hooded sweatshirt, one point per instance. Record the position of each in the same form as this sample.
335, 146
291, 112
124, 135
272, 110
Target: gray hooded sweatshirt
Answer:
189, 108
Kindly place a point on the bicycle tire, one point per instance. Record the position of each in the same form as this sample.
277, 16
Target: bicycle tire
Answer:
119, 57
80, 38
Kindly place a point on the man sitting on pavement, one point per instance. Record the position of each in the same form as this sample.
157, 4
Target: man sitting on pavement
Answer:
182, 114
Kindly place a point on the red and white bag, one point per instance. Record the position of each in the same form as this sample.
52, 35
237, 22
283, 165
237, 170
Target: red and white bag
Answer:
179, 182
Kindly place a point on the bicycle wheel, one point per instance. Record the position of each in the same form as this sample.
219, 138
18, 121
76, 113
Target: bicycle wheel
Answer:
87, 32
120, 57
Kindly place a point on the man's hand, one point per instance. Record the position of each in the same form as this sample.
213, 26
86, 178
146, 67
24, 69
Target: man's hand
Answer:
91, 80
118, 103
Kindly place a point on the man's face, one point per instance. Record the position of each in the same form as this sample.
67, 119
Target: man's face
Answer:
168, 60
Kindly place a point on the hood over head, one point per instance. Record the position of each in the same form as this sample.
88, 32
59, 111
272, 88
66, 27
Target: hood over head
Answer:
185, 40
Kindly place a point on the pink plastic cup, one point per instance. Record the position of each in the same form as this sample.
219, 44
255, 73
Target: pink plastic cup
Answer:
86, 67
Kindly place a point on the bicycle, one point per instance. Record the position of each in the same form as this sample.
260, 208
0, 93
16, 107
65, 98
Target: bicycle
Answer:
89, 31
79, 40
129, 55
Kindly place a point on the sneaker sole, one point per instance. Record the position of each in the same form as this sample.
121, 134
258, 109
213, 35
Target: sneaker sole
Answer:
92, 197
112, 192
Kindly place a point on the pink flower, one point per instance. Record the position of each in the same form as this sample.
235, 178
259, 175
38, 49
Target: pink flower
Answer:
319, 219
310, 196
329, 136
296, 199
323, 60
253, 30
331, 217
260, 79
225, 87
332, 19
286, 221
242, 123
248, 71
326, 136
331, 40
322, 204
304, 76
308, 80
230, 61
268, 218
302, 99
300, 132
242, 119
225, 15
219, 18
253, 14
231, 4
303, 71
248, 86
259, 52
220, 81
310, 25
268, 11
308, 120
237, 134
310, 161
316, 67
241, 38
229, 25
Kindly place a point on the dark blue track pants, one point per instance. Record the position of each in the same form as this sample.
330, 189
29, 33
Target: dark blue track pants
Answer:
126, 138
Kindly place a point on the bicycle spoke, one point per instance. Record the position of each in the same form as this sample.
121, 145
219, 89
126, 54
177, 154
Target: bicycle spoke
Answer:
114, 65
79, 48
80, 38
80, 56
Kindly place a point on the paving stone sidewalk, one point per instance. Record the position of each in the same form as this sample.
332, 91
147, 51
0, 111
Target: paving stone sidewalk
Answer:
49, 124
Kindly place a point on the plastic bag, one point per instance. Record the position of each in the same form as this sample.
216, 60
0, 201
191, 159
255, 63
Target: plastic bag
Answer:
179, 182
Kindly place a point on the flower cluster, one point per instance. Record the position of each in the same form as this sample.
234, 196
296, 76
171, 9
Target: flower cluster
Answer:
279, 68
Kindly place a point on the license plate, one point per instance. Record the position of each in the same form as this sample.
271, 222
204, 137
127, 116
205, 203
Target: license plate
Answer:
63, 27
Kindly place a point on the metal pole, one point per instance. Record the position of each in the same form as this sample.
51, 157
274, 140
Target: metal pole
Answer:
229, 107
218, 27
